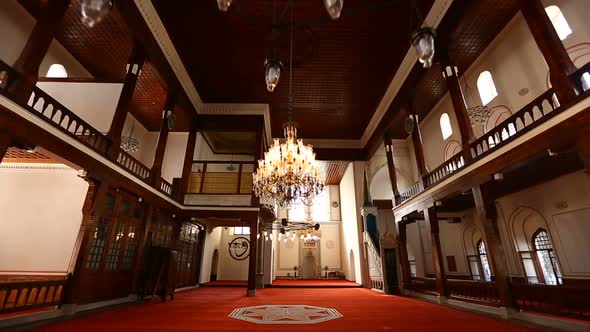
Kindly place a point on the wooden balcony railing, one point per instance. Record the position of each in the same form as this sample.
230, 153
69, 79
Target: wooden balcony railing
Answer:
7, 76
165, 187
445, 170
25, 295
529, 117
425, 285
221, 177
134, 166
558, 300
480, 291
581, 78
411, 192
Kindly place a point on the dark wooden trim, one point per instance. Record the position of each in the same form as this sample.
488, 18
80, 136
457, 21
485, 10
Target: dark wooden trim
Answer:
163, 138
390, 165
437, 258
80, 80
5, 142
418, 149
339, 154
253, 256
188, 160
383, 204
403, 255
224, 162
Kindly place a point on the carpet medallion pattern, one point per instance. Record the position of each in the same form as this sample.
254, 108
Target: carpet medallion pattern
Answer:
285, 314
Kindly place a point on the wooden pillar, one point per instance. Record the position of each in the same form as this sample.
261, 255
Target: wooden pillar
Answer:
260, 261
403, 255
93, 204
451, 74
583, 148
418, 149
559, 63
487, 213
135, 63
141, 247
391, 167
188, 160
252, 258
5, 141
28, 63
200, 247
162, 139
437, 258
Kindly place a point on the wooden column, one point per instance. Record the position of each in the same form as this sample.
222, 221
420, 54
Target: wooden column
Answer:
260, 262
200, 247
162, 139
28, 63
487, 213
451, 74
144, 241
252, 258
391, 167
417, 143
583, 148
188, 160
403, 255
135, 63
93, 204
5, 141
559, 63
437, 258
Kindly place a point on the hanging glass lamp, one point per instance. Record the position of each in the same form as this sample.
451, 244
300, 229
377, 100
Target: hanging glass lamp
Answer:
423, 42
334, 8
93, 11
223, 5
272, 72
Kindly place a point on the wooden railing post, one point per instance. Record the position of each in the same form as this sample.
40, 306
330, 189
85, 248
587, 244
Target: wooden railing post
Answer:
162, 139
559, 63
437, 258
391, 166
134, 66
486, 212
451, 74
38, 43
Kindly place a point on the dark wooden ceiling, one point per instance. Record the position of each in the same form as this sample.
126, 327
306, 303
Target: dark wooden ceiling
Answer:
342, 70
104, 51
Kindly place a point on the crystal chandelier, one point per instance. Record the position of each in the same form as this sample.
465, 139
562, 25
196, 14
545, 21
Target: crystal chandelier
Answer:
288, 173
129, 143
93, 11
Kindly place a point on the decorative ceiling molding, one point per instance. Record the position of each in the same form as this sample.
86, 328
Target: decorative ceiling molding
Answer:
435, 16
156, 26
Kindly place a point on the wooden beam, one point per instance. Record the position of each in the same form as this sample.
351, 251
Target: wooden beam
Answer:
403, 255
391, 166
451, 74
162, 138
437, 258
231, 123
559, 63
38, 43
340, 154
487, 214
188, 160
134, 66
418, 149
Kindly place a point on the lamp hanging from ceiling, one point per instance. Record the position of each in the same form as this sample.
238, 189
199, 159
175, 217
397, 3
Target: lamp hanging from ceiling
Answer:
129, 143
223, 5
334, 8
272, 71
289, 173
423, 38
93, 11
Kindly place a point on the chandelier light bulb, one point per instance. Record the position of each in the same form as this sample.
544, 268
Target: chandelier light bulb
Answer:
334, 8
93, 11
272, 73
223, 5
423, 42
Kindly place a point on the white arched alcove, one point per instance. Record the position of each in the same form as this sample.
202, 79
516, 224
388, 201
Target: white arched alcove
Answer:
380, 186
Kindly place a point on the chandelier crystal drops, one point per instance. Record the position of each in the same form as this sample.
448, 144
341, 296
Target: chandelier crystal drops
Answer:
334, 8
93, 11
288, 173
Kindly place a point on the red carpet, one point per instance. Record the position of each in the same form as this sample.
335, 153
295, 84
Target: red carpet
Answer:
313, 283
206, 309
225, 283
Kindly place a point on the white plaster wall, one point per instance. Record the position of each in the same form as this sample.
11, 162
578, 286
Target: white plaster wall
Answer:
174, 156
16, 25
95, 103
40, 216
350, 219
212, 242
452, 245
415, 251
203, 152
229, 268
334, 191
561, 206
148, 140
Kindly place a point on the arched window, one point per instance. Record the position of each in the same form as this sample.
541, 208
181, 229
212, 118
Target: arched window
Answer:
546, 257
486, 87
586, 81
57, 71
559, 22
445, 126
483, 259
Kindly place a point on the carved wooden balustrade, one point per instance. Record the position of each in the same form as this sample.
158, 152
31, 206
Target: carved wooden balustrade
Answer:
481, 291
7, 76
377, 284
165, 187
25, 295
560, 300
425, 285
581, 78
134, 166
445, 170
529, 117
45, 106
410, 192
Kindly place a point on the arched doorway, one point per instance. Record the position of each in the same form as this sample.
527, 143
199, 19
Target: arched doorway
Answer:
214, 265
352, 268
